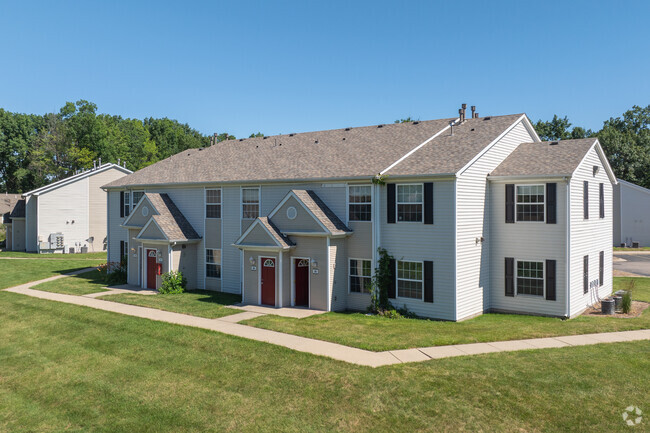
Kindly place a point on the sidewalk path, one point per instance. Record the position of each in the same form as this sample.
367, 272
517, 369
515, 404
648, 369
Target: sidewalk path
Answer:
324, 348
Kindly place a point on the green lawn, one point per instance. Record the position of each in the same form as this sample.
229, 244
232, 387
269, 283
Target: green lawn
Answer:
82, 284
100, 257
202, 303
632, 249
70, 368
15, 272
379, 333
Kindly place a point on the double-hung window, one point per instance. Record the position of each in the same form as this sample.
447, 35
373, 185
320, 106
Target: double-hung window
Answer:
360, 275
213, 263
409, 203
213, 203
127, 203
360, 202
136, 196
530, 278
409, 280
250, 203
530, 203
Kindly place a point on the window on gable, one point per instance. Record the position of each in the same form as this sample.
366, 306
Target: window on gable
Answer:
360, 199
213, 263
213, 203
530, 278
127, 203
409, 203
360, 275
409, 280
250, 199
137, 195
530, 203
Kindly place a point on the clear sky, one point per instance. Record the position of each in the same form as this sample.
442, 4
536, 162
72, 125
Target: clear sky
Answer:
281, 67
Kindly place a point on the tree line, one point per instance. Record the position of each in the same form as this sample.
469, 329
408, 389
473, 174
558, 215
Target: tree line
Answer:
38, 149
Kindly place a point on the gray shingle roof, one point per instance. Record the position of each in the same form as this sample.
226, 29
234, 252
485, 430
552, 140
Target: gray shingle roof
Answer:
545, 158
8, 201
321, 211
171, 220
276, 233
18, 210
338, 153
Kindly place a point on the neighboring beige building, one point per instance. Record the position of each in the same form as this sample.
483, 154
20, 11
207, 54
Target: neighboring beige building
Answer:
65, 216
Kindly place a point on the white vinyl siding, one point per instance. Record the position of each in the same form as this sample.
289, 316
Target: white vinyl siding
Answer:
473, 203
631, 214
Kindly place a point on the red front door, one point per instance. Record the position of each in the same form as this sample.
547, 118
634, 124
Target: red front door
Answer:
268, 281
301, 281
151, 269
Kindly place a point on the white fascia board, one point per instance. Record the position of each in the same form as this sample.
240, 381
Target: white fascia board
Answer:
531, 129
260, 248
633, 186
531, 178
151, 220
137, 207
603, 160
257, 222
292, 194
489, 146
74, 178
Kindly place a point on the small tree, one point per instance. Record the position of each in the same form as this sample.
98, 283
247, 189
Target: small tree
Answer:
381, 281
173, 282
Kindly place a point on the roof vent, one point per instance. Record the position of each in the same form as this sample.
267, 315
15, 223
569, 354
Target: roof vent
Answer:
380, 126
347, 129
487, 118
241, 139
416, 122
473, 129
291, 135
343, 138
200, 149
265, 137
553, 143
316, 142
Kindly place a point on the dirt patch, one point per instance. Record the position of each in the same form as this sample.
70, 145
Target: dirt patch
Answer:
637, 308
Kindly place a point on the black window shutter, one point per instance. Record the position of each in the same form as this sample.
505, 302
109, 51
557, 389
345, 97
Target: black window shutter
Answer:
428, 281
121, 204
551, 203
510, 203
428, 203
550, 280
601, 268
585, 200
390, 203
585, 274
510, 276
601, 194
393, 281
121, 250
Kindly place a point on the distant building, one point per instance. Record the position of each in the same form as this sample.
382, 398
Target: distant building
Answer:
631, 214
64, 216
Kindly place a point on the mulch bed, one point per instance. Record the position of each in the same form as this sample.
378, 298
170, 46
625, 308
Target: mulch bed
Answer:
637, 308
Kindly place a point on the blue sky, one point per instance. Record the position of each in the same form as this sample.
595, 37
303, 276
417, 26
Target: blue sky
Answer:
280, 67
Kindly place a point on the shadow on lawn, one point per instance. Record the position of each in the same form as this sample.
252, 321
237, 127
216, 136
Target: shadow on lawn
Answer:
213, 297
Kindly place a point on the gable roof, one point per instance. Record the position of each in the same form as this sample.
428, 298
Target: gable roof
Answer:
8, 201
633, 186
170, 219
75, 178
333, 154
18, 210
548, 158
278, 237
321, 212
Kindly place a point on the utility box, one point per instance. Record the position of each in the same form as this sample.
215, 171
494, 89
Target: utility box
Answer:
56, 241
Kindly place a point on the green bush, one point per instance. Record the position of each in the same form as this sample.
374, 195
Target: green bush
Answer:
113, 273
173, 282
626, 304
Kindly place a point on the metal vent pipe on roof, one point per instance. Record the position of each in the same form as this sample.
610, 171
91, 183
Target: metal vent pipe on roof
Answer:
473, 111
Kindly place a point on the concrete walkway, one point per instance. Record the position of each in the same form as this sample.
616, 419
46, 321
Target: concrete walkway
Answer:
323, 348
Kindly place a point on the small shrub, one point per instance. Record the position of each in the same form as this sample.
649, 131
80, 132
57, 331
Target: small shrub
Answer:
626, 303
113, 273
173, 282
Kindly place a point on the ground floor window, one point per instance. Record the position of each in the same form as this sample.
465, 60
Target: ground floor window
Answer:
530, 278
360, 276
409, 279
213, 263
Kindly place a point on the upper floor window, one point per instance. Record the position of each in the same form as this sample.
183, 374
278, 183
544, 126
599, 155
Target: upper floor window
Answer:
409, 280
360, 276
530, 278
360, 199
213, 263
213, 203
250, 203
409, 203
136, 196
126, 204
530, 203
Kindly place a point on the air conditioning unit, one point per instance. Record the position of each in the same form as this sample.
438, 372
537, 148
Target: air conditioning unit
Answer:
56, 241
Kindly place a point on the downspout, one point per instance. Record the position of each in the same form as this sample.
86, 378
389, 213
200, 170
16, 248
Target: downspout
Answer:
568, 249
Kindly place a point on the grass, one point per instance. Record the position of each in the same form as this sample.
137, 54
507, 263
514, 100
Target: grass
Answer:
71, 368
100, 257
15, 272
632, 249
202, 303
81, 284
379, 333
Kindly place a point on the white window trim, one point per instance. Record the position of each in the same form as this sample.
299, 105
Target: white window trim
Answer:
348, 203
397, 203
543, 185
362, 276
241, 201
397, 296
205, 201
125, 206
211, 263
133, 205
526, 295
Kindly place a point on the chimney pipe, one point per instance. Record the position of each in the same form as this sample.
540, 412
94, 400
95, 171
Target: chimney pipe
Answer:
464, 107
100, 162
94, 165
476, 115
473, 111
460, 115
451, 127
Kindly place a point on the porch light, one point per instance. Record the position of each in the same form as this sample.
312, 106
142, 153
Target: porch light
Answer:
314, 264
252, 260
